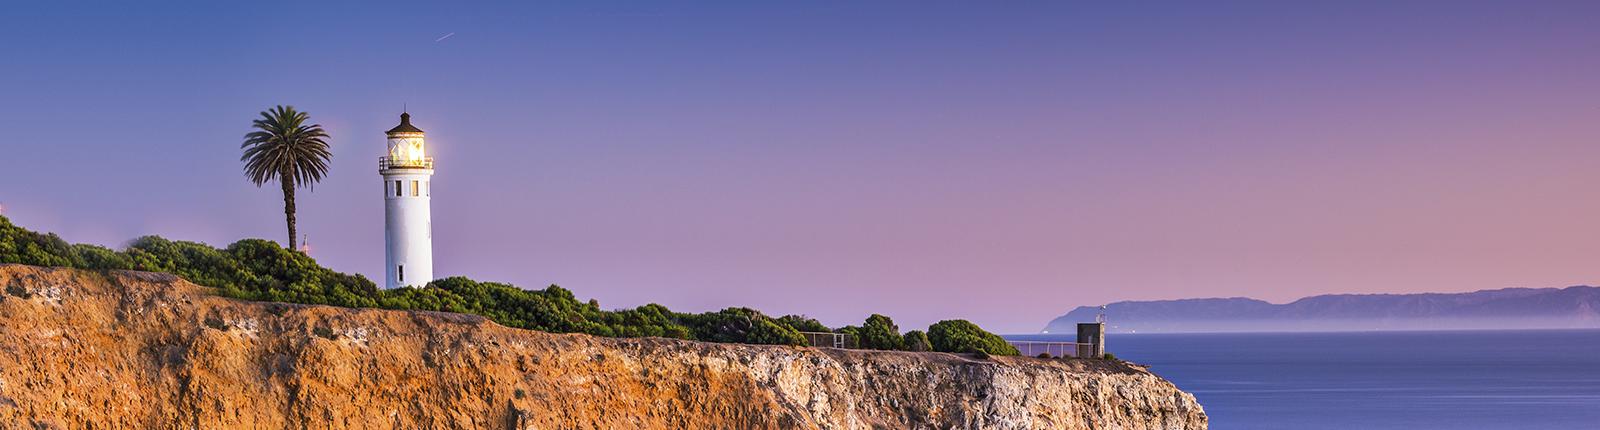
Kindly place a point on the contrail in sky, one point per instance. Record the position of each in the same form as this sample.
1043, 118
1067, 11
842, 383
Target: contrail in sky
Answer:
447, 36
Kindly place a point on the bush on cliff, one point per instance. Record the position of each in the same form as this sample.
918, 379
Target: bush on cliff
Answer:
917, 341
964, 336
742, 325
880, 332
803, 323
18, 245
255, 269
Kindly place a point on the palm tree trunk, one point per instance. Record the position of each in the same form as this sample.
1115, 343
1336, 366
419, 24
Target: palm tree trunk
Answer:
288, 202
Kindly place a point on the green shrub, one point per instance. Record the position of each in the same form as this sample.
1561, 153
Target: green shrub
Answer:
18, 245
743, 325
802, 323
101, 258
852, 335
880, 332
256, 269
964, 336
916, 340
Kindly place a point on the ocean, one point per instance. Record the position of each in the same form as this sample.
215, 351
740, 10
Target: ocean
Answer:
1522, 379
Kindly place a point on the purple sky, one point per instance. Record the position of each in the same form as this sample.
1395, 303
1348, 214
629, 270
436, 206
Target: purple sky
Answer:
926, 161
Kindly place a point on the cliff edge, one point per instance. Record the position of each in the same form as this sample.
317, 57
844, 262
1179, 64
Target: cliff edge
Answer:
83, 349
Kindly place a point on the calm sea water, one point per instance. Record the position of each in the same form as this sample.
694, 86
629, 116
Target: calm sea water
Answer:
1541, 379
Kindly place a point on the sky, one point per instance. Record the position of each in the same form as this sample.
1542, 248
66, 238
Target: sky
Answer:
1001, 163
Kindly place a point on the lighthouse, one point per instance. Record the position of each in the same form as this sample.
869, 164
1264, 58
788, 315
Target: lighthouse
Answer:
407, 221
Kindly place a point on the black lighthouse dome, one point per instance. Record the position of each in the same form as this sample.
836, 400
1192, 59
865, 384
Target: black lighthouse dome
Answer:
405, 125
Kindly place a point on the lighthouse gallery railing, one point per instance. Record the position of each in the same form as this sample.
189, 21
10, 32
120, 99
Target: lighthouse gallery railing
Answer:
405, 163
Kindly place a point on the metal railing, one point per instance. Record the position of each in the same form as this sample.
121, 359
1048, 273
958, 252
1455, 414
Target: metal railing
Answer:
827, 339
385, 163
1032, 348
1027, 348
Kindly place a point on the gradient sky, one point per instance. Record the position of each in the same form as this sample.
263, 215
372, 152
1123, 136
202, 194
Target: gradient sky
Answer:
1000, 163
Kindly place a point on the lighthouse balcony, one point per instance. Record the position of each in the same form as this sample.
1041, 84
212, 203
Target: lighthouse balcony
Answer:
386, 163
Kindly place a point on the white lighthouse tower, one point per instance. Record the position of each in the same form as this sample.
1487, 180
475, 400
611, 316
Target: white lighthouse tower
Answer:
407, 221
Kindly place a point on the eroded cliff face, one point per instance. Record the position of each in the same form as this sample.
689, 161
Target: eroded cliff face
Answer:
149, 351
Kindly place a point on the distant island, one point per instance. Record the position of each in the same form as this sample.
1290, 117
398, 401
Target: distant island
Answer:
1508, 308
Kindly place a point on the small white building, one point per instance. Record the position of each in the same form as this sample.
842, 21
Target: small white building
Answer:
407, 220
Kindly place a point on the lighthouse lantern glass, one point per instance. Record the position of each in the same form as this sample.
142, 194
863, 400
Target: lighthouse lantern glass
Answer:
408, 150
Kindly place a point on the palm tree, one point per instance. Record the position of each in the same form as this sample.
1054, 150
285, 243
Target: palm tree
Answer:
285, 149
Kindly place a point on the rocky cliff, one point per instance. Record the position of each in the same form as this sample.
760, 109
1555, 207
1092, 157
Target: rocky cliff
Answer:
85, 350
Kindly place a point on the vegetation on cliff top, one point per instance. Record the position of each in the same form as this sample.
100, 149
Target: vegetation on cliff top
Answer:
256, 269
964, 336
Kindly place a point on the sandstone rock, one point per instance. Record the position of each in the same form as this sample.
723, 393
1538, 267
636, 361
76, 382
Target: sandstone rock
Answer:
143, 351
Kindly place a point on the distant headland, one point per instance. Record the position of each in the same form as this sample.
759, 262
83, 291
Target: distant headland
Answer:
1508, 308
